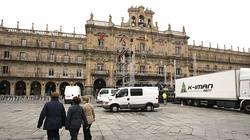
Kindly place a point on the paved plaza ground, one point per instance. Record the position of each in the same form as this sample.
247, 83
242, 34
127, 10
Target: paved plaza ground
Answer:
172, 122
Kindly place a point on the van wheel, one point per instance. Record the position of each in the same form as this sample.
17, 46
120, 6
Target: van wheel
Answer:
149, 108
114, 108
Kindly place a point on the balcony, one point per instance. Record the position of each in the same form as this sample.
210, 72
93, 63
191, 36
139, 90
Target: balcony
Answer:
100, 72
23, 74
42, 59
144, 74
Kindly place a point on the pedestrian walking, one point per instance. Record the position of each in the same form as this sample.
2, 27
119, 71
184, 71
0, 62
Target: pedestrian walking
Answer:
90, 114
54, 114
165, 96
75, 118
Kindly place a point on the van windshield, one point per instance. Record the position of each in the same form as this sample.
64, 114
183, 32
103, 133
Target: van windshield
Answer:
104, 92
113, 92
122, 93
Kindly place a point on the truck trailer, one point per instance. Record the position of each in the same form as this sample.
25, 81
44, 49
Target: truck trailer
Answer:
228, 89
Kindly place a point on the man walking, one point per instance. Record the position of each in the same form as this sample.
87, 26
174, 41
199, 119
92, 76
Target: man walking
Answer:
54, 114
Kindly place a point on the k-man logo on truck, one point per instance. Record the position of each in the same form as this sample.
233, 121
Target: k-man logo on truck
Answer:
183, 88
196, 88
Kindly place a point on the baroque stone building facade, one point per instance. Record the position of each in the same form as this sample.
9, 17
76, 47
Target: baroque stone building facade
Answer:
36, 62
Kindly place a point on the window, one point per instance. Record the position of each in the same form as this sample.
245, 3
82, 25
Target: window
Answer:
100, 67
65, 72
6, 54
22, 56
177, 50
38, 43
178, 71
101, 41
24, 42
120, 68
142, 46
122, 93
79, 73
51, 57
160, 71
142, 69
191, 66
136, 92
66, 58
215, 67
52, 44
5, 69
80, 47
66, 45
51, 72
207, 67
79, 59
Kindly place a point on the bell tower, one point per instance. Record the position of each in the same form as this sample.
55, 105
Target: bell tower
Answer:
139, 17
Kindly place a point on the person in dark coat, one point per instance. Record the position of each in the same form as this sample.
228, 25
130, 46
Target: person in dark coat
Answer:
54, 114
75, 118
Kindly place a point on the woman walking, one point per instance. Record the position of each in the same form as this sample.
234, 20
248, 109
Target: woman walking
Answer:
90, 114
75, 118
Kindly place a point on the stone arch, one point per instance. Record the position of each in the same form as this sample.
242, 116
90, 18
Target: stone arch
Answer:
62, 88
141, 21
98, 84
4, 87
119, 83
50, 87
133, 21
81, 86
20, 88
35, 88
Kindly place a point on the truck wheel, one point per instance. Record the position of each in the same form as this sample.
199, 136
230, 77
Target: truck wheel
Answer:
114, 108
247, 108
149, 108
189, 102
196, 103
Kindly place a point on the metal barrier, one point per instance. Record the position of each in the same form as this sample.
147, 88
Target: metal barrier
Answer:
34, 99
25, 99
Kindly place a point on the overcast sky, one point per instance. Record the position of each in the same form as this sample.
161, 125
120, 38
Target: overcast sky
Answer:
216, 21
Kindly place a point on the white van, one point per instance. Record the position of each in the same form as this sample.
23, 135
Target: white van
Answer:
105, 94
70, 92
134, 98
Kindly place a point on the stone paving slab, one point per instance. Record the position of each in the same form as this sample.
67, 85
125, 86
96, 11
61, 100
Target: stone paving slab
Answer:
172, 122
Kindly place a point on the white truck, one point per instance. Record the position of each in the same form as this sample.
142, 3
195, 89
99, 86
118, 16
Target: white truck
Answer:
70, 92
145, 98
228, 89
